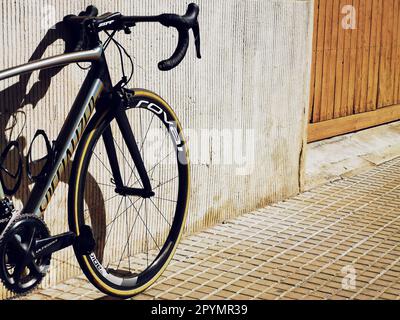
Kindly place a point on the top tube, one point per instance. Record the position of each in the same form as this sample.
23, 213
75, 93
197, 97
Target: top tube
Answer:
52, 62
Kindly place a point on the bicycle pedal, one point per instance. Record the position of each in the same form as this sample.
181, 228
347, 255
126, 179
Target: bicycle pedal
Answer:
85, 243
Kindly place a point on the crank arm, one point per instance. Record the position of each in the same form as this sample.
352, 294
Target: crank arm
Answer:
84, 242
48, 246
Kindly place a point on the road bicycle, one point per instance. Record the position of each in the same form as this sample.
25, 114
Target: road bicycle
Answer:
129, 181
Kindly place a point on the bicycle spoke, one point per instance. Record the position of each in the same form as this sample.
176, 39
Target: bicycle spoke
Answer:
105, 185
147, 132
147, 228
169, 181
128, 236
123, 212
133, 170
160, 212
103, 163
141, 127
123, 154
101, 204
119, 207
155, 166
168, 200
134, 223
130, 233
158, 163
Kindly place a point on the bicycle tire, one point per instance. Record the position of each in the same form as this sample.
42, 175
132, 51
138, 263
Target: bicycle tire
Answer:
95, 270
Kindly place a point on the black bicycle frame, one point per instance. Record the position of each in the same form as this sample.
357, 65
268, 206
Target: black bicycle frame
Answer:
97, 84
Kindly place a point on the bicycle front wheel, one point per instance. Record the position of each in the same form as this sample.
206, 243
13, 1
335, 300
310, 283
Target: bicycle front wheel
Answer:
136, 237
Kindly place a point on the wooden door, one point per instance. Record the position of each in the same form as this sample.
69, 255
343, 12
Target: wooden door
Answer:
355, 82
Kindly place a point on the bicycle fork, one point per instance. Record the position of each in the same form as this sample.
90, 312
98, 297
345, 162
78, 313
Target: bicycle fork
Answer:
121, 188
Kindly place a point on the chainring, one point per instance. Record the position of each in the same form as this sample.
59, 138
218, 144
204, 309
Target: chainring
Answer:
20, 271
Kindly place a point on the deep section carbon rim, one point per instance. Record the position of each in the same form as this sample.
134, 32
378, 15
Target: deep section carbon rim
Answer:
135, 236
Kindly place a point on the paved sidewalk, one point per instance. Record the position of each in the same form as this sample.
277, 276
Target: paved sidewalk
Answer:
339, 241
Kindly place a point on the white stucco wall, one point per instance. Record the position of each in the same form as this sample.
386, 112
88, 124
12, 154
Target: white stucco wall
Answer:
253, 81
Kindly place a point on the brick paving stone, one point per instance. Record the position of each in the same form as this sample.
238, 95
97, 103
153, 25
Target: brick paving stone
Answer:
51, 292
216, 284
268, 296
206, 289
250, 292
171, 296
69, 296
95, 295
196, 295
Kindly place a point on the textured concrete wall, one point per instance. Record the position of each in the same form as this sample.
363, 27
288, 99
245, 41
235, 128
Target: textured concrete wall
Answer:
252, 84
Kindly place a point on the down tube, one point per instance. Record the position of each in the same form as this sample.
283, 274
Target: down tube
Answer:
66, 144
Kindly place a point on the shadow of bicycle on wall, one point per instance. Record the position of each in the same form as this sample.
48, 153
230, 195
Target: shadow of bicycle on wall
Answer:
13, 122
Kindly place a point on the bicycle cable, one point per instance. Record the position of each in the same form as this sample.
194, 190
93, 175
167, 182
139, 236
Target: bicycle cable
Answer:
83, 68
121, 50
106, 43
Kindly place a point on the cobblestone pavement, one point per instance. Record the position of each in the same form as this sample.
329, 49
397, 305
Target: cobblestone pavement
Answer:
339, 241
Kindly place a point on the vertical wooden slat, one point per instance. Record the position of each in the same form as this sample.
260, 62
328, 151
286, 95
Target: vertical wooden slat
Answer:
332, 63
319, 60
346, 69
362, 21
375, 55
328, 61
385, 83
366, 55
394, 52
339, 65
353, 61
313, 63
396, 59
